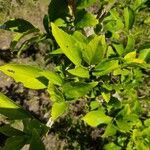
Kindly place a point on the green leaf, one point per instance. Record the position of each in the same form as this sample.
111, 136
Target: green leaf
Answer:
58, 9
110, 130
147, 122
113, 22
67, 45
112, 146
18, 25
95, 50
130, 44
52, 77
36, 142
15, 143
55, 94
144, 54
80, 72
85, 19
94, 105
81, 38
10, 131
57, 51
119, 48
10, 109
85, 3
147, 20
31, 124
130, 56
138, 4
105, 67
46, 23
60, 22
74, 90
95, 118
58, 109
25, 74
129, 17
126, 123
106, 96
110, 52
17, 37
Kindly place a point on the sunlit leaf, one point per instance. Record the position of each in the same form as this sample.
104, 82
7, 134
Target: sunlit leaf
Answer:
11, 110
73, 90
58, 109
105, 67
52, 77
67, 45
110, 130
112, 146
80, 72
145, 54
95, 118
95, 50
55, 94
25, 74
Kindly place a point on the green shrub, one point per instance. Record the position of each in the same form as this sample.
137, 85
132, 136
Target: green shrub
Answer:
105, 67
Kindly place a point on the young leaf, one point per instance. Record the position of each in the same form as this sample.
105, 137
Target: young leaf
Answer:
11, 110
80, 72
95, 118
105, 67
25, 74
18, 25
36, 142
15, 143
58, 109
129, 17
67, 45
95, 50
85, 19
130, 56
74, 90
